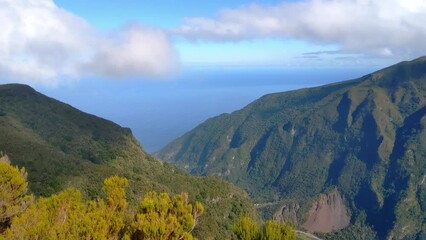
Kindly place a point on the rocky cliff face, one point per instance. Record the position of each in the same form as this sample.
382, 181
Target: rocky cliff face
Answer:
288, 213
327, 214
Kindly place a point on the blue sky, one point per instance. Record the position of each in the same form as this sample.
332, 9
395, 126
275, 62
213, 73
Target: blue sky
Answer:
161, 13
170, 14
271, 49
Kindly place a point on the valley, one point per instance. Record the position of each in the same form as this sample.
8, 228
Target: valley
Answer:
361, 139
337, 161
227, 120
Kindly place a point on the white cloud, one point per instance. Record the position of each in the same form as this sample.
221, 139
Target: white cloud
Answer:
377, 27
134, 51
42, 43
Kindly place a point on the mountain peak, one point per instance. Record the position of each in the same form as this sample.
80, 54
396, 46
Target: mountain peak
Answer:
420, 59
16, 89
16, 86
399, 73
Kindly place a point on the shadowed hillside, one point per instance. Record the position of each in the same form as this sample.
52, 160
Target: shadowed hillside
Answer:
62, 147
362, 141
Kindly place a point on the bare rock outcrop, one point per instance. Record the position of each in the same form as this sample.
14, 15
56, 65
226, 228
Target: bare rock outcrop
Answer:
327, 214
287, 213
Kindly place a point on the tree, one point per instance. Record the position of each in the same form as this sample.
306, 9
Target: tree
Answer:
115, 191
162, 217
66, 216
13, 192
277, 231
247, 229
56, 217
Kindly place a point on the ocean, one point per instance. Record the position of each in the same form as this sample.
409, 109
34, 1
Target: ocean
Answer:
159, 111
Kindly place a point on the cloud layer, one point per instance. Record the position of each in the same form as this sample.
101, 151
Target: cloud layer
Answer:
134, 51
381, 28
42, 43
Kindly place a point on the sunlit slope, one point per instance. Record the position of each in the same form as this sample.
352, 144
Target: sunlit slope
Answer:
363, 140
61, 147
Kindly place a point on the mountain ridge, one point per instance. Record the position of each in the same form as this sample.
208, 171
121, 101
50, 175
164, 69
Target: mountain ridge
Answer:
354, 136
61, 147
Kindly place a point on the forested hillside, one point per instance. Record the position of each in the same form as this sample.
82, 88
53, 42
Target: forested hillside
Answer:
62, 147
350, 154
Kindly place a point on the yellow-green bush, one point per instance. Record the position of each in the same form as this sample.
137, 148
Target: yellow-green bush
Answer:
247, 229
67, 216
13, 191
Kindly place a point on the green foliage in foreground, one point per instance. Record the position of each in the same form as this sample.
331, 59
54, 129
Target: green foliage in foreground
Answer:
13, 191
67, 216
247, 229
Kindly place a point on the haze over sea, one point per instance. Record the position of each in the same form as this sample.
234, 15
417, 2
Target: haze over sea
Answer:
160, 111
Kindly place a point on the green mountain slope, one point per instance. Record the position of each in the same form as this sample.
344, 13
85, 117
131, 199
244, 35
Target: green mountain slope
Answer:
355, 149
61, 147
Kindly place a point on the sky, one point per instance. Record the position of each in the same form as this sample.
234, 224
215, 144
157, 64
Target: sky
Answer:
182, 61
57, 42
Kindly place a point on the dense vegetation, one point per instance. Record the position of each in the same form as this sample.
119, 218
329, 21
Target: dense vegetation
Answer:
13, 192
247, 229
363, 138
66, 216
62, 147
